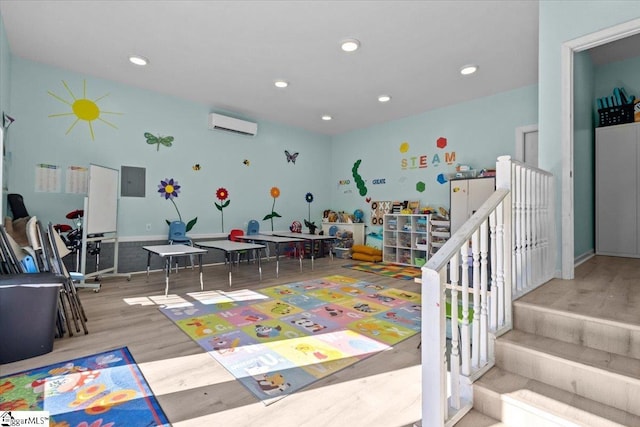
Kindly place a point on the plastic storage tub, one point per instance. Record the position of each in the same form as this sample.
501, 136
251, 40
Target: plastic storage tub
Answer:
28, 307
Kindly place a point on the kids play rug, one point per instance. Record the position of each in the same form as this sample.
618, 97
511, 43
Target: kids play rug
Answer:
405, 272
278, 340
105, 389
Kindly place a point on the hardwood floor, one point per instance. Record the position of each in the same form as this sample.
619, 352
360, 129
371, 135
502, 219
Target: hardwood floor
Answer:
194, 390
605, 287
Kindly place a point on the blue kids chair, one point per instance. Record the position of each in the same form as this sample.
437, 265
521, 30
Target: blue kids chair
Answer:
253, 227
178, 235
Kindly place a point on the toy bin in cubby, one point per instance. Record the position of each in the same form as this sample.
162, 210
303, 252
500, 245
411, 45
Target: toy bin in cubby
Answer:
404, 240
404, 257
342, 253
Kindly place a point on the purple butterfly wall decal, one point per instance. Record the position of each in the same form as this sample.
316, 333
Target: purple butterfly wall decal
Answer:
291, 157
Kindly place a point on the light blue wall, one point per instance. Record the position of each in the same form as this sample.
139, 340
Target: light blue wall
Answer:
478, 132
562, 21
38, 138
5, 68
618, 74
5, 94
583, 155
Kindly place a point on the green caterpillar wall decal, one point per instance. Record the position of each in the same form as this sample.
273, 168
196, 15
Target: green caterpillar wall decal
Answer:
362, 188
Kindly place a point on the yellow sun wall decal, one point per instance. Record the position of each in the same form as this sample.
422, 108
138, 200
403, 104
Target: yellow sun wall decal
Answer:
83, 109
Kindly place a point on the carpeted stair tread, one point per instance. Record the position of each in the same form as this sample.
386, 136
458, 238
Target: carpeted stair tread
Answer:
573, 353
539, 397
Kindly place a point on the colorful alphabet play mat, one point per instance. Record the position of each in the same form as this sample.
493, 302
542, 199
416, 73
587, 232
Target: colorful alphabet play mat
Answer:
105, 389
280, 339
405, 272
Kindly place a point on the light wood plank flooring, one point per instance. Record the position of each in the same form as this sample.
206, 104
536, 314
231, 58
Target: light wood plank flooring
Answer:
605, 287
194, 390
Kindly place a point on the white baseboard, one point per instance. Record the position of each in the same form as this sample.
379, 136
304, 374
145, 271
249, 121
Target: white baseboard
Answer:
583, 258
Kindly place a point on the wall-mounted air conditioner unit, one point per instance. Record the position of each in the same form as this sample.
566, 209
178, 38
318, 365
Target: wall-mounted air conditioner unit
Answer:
229, 124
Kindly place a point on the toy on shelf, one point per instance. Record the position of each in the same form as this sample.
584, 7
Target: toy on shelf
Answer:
331, 216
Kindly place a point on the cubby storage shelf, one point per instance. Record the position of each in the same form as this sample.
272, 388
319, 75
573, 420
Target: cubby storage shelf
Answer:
406, 239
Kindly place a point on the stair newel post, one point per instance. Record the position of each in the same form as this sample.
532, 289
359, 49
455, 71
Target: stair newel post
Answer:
433, 351
506, 259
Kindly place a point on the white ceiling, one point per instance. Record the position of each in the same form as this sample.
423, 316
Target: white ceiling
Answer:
226, 54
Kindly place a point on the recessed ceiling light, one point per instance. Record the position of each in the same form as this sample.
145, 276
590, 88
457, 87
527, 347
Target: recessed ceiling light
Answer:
349, 45
326, 117
384, 98
468, 69
138, 60
281, 83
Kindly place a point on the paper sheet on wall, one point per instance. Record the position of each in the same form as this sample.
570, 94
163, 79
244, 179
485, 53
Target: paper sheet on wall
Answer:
48, 178
77, 180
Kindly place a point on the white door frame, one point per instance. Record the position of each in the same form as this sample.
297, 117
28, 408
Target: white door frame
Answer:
520, 137
568, 49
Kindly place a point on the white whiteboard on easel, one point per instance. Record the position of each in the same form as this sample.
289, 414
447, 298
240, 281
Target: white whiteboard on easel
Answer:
102, 205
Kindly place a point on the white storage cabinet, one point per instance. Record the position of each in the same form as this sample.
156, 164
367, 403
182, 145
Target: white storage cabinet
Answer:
617, 213
466, 197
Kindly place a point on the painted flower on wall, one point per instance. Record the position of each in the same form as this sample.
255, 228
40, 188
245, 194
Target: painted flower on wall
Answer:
222, 194
275, 193
169, 189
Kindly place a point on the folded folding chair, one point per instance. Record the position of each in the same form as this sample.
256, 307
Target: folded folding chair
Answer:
9, 250
54, 250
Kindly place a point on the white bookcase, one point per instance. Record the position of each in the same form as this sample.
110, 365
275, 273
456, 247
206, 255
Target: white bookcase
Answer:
405, 239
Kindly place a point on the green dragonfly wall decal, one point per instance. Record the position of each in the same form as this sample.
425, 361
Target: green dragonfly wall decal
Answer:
164, 140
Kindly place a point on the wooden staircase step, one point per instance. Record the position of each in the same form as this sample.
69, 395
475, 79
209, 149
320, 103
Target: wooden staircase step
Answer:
601, 376
477, 419
590, 331
525, 402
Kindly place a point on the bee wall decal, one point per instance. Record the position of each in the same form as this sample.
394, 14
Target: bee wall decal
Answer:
164, 140
246, 162
196, 167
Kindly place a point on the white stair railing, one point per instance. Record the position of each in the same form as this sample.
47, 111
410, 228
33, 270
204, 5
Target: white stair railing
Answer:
533, 226
503, 251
